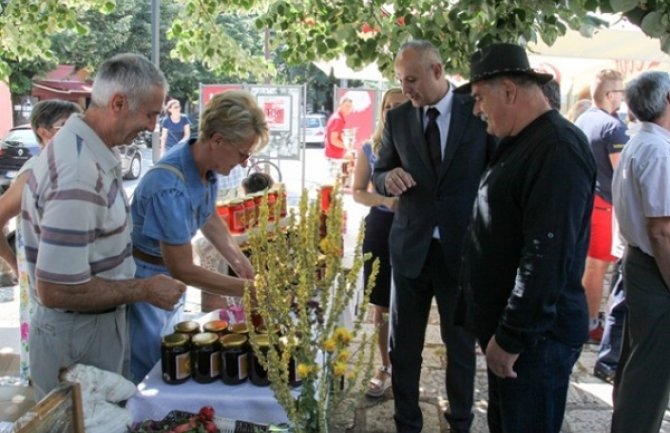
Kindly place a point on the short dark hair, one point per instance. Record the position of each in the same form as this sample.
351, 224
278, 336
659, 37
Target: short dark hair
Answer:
256, 182
552, 91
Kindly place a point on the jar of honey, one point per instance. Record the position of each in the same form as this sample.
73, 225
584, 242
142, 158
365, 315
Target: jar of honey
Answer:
250, 212
257, 374
223, 210
294, 379
272, 204
258, 201
239, 328
175, 358
235, 359
237, 216
206, 357
188, 327
218, 327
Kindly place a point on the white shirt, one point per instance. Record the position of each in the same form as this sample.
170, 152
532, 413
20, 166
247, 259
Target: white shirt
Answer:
641, 184
444, 119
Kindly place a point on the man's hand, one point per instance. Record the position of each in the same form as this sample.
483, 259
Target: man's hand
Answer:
500, 362
397, 181
164, 292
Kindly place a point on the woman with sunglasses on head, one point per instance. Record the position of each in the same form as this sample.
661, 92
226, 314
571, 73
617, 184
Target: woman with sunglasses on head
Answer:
46, 119
174, 200
377, 227
175, 127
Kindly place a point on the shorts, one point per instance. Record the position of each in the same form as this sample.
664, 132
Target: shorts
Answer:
600, 243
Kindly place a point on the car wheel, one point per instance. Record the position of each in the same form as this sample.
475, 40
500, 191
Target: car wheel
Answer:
135, 168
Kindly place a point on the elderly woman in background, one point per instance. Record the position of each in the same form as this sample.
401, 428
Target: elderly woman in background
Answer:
377, 227
46, 119
177, 198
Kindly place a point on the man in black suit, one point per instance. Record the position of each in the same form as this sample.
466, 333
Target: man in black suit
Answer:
436, 190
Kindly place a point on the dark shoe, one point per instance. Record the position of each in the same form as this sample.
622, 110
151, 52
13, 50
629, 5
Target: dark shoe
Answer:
604, 373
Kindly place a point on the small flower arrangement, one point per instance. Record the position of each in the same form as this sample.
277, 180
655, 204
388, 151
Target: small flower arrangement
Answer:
302, 289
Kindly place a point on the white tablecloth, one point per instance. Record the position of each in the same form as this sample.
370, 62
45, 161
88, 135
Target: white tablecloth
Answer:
244, 402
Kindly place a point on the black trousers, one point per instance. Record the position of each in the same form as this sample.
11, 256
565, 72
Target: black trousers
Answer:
410, 306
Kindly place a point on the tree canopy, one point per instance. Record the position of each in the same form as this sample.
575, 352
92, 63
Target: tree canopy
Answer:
300, 31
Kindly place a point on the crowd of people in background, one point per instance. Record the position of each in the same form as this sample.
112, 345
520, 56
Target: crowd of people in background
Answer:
483, 198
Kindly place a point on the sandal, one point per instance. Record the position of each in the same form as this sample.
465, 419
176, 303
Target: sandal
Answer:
377, 387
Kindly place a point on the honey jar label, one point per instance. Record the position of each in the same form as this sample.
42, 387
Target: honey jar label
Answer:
215, 364
183, 365
243, 366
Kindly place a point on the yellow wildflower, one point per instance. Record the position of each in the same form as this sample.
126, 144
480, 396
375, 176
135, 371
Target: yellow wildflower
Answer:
343, 356
329, 345
343, 335
339, 368
303, 370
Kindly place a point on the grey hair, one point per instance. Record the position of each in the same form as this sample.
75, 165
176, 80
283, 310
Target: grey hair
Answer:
46, 113
426, 50
647, 95
130, 74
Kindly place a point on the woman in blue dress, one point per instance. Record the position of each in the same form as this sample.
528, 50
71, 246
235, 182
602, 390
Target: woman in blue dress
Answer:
174, 200
175, 127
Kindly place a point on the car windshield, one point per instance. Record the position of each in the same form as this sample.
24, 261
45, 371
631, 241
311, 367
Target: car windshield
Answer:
312, 122
20, 137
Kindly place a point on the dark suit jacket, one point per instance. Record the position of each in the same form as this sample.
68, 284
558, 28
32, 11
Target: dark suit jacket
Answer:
443, 199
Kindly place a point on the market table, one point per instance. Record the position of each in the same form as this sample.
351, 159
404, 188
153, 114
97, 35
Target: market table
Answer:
245, 402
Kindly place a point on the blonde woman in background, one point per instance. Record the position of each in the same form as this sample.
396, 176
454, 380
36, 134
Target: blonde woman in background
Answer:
377, 227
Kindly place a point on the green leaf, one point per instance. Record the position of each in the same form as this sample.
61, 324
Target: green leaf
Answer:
108, 7
652, 24
623, 5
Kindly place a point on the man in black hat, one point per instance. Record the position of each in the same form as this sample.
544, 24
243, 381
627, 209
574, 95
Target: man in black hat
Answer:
525, 250
432, 156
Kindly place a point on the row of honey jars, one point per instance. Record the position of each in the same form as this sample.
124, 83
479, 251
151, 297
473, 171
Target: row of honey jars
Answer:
208, 356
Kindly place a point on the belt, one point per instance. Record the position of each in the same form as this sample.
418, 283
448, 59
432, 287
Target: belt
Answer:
154, 260
107, 311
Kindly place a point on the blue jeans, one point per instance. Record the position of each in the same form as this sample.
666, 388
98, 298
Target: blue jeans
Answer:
534, 402
610, 346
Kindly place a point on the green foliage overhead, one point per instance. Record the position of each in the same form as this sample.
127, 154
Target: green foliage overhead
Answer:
300, 31
26, 27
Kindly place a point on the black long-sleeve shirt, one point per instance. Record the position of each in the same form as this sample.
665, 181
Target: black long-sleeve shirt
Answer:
527, 243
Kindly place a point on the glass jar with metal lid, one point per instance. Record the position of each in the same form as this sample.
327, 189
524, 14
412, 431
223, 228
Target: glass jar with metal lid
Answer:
219, 327
237, 216
257, 374
238, 328
235, 359
294, 378
175, 358
206, 357
189, 327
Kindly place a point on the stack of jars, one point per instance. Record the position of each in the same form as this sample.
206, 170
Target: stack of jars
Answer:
242, 214
222, 351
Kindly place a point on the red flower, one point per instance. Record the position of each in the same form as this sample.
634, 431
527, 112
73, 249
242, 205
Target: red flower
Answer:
206, 414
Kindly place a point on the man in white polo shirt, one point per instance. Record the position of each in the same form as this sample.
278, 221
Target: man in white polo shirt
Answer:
77, 227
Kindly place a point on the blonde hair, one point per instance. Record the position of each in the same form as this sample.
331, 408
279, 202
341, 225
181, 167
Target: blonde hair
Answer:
379, 131
237, 117
602, 81
577, 109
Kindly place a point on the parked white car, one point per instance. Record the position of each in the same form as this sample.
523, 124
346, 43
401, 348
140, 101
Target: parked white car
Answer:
315, 129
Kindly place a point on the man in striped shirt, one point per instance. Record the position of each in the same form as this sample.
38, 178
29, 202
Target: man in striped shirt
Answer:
76, 226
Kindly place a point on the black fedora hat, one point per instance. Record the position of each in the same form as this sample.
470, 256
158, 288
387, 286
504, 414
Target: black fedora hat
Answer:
500, 59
